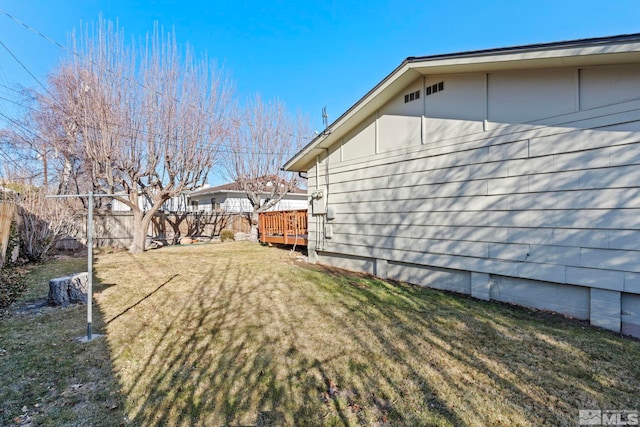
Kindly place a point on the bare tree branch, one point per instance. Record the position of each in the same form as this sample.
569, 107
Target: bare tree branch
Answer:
143, 121
267, 135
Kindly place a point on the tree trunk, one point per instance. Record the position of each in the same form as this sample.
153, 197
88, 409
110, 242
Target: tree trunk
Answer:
69, 289
253, 237
140, 229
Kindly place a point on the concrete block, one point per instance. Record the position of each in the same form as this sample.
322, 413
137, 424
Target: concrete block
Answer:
630, 309
352, 263
606, 296
565, 299
480, 286
381, 268
432, 277
605, 309
609, 323
631, 329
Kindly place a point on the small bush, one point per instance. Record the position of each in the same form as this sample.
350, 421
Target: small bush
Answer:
227, 235
12, 285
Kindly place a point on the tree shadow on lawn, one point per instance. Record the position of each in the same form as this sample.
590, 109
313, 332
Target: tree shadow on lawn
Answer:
319, 346
540, 367
218, 368
48, 377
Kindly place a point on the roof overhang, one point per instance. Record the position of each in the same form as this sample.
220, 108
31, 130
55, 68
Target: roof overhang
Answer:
575, 53
212, 192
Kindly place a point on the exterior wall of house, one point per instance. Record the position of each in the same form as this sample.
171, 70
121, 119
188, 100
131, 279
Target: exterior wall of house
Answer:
234, 202
521, 187
230, 202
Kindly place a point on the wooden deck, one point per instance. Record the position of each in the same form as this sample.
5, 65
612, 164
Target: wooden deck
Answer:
283, 227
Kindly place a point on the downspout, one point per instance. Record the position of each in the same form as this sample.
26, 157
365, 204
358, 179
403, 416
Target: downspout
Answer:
423, 120
326, 200
317, 216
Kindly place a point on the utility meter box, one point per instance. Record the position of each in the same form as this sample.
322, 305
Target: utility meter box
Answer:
318, 205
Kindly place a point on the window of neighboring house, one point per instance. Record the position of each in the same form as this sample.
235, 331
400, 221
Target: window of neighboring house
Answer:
215, 205
194, 205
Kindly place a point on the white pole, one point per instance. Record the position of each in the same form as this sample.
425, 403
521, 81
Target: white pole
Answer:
89, 251
89, 265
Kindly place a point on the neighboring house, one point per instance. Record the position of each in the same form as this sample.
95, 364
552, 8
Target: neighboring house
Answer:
508, 174
174, 205
227, 198
230, 198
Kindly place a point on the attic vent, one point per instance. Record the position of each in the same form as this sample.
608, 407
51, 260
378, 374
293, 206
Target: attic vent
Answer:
438, 87
412, 96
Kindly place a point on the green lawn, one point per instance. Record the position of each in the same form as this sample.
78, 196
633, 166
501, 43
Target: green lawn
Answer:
240, 334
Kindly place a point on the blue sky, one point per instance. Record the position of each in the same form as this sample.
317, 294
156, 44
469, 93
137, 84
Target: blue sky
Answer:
306, 53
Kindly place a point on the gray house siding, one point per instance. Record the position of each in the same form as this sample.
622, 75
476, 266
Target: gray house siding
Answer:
516, 186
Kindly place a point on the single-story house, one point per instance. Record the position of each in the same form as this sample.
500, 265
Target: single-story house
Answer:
226, 198
508, 174
230, 198
178, 203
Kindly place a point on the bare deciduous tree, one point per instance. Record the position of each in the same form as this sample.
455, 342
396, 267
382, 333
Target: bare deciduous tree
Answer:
142, 122
265, 137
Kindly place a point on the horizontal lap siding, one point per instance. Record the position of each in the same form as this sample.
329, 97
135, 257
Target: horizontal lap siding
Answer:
552, 204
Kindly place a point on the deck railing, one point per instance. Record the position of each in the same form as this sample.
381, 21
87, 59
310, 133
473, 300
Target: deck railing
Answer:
283, 227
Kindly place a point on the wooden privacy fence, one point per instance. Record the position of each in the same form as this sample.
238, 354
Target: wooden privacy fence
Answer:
116, 228
6, 216
283, 227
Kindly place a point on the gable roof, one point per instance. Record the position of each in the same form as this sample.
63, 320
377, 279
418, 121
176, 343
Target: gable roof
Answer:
573, 53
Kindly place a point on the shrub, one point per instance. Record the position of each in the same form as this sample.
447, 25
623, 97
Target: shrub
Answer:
12, 285
227, 235
42, 222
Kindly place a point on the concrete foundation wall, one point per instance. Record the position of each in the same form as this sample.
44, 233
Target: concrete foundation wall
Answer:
613, 310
